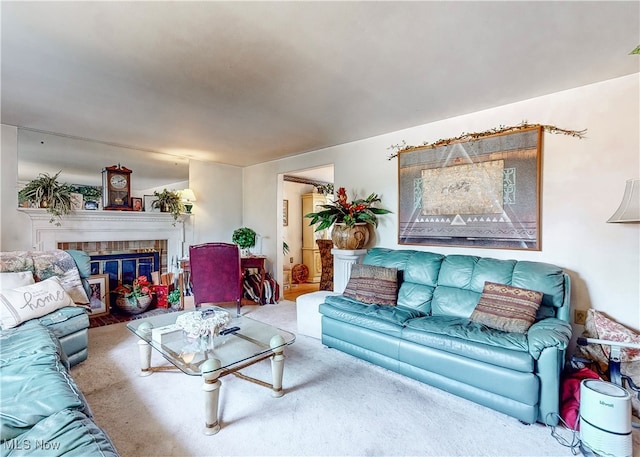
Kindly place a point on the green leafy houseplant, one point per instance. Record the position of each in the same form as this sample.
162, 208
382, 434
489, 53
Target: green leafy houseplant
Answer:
46, 192
169, 202
244, 237
348, 213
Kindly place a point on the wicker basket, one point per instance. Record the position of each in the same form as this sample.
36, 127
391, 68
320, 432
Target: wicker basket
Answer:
133, 306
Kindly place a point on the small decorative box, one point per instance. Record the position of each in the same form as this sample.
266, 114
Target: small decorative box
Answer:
167, 333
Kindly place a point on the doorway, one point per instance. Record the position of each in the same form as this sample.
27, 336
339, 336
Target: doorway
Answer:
295, 184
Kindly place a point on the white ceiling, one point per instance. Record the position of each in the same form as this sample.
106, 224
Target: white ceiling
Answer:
247, 82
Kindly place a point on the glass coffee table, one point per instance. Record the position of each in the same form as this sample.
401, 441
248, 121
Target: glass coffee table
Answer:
241, 343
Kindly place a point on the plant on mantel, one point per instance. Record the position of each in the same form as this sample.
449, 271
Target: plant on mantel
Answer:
46, 192
169, 202
398, 148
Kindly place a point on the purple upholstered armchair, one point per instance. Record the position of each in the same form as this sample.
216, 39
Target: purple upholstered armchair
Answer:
216, 276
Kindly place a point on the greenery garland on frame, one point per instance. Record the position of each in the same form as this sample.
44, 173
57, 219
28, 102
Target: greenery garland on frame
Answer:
476, 136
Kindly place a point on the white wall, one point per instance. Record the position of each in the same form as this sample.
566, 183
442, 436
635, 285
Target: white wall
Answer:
582, 185
14, 226
217, 211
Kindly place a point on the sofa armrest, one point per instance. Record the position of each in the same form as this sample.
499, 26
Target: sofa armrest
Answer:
547, 333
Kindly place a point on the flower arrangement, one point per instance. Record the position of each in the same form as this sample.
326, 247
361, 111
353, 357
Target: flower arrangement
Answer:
139, 289
348, 213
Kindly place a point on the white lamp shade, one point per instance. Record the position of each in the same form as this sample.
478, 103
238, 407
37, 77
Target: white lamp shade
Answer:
629, 210
188, 195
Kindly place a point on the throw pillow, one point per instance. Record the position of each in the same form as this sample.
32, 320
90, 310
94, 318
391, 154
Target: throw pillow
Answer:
15, 279
60, 263
373, 285
507, 308
28, 302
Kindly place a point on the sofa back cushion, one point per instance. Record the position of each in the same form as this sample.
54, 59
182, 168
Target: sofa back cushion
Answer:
451, 285
418, 274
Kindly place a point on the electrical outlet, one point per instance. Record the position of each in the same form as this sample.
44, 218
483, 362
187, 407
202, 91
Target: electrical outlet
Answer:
580, 316
290, 259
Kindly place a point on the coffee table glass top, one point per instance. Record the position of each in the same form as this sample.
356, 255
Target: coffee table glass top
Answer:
251, 340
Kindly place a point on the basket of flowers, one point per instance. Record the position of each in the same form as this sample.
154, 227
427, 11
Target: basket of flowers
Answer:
136, 298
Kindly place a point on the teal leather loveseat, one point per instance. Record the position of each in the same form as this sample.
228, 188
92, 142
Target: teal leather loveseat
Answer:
429, 334
42, 410
44, 332
69, 324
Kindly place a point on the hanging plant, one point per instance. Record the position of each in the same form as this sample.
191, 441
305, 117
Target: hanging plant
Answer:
46, 192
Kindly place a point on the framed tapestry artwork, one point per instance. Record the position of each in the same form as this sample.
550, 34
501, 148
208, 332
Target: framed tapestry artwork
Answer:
481, 193
99, 299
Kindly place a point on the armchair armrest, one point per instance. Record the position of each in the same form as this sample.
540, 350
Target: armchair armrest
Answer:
550, 332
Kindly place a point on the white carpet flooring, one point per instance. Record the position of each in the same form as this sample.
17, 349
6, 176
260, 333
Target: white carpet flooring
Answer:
334, 404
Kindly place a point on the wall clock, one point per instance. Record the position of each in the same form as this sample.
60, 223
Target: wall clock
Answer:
116, 184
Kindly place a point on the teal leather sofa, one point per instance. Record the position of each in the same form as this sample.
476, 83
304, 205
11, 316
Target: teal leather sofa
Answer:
42, 411
69, 324
429, 336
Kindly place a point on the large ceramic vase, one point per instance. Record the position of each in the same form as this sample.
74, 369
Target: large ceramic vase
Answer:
351, 238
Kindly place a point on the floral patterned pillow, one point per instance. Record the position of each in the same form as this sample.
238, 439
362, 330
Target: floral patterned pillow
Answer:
46, 264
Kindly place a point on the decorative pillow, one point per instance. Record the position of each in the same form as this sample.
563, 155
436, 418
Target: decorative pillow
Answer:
16, 279
60, 263
28, 302
373, 285
507, 308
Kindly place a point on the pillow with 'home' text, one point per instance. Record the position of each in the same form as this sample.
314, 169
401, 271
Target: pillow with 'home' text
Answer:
507, 308
28, 302
373, 285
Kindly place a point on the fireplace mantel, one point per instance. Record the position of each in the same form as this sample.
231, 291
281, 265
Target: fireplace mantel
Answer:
100, 225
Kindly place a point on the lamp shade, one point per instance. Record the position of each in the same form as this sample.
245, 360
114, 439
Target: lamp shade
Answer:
187, 195
629, 209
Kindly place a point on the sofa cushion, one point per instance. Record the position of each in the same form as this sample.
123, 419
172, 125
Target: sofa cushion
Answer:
67, 432
463, 337
386, 319
507, 308
15, 279
373, 285
28, 302
32, 369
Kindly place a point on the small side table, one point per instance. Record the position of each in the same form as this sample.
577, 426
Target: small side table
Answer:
256, 261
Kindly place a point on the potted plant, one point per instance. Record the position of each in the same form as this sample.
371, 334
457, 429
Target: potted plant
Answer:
136, 298
46, 192
245, 238
169, 202
349, 219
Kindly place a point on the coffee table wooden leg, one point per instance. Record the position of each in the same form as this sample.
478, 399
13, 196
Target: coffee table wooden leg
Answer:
211, 387
277, 365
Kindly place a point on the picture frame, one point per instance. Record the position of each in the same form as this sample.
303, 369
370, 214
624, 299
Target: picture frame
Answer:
481, 193
99, 297
285, 213
136, 204
148, 204
77, 201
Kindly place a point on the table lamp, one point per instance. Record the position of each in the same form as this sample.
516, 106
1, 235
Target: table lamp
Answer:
629, 210
187, 197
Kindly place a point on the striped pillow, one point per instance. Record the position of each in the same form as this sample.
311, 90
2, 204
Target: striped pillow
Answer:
507, 308
373, 285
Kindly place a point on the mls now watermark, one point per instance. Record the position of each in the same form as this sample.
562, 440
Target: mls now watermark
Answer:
28, 445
